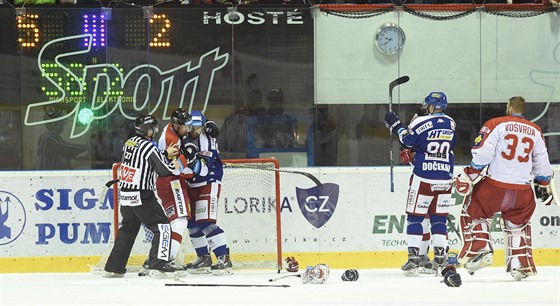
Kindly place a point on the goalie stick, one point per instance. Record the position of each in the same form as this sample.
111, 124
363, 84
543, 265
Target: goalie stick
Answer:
284, 276
392, 85
555, 198
306, 174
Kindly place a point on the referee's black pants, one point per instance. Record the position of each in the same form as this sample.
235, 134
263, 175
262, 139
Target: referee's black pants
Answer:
151, 214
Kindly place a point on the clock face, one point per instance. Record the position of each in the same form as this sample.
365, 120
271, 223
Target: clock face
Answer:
390, 39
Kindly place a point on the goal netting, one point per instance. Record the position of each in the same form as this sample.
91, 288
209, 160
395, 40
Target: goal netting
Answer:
249, 214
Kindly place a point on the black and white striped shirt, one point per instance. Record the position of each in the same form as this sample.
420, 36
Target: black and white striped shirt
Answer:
141, 162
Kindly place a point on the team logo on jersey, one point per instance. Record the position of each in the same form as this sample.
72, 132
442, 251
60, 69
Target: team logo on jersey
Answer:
318, 205
440, 134
12, 217
478, 139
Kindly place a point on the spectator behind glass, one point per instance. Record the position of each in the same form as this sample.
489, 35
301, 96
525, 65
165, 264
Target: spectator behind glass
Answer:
372, 137
278, 128
54, 153
233, 133
326, 140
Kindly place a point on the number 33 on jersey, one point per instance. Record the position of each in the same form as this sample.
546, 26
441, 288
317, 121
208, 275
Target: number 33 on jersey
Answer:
521, 139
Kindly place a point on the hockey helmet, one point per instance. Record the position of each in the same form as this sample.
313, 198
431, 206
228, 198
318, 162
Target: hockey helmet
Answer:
144, 123
180, 116
197, 118
275, 95
437, 99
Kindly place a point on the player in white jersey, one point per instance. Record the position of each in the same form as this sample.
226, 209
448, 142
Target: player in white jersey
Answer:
513, 152
432, 137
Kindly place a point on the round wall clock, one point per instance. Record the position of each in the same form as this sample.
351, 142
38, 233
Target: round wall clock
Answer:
390, 39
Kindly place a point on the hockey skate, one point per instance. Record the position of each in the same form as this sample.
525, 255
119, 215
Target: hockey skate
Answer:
440, 260
436, 265
201, 265
479, 261
108, 274
167, 270
145, 270
425, 264
223, 267
521, 273
410, 268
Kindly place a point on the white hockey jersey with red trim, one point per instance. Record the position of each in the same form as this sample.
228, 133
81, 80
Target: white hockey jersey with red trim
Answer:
513, 148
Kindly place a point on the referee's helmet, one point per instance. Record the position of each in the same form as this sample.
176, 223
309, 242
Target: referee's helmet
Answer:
144, 123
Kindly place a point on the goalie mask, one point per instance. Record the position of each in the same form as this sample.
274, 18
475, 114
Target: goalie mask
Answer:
319, 274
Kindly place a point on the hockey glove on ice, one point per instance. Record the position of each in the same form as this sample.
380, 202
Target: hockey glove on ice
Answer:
450, 276
293, 265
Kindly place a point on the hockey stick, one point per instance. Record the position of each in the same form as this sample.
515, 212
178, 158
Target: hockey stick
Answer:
105, 189
392, 85
224, 285
555, 198
284, 276
308, 175
454, 229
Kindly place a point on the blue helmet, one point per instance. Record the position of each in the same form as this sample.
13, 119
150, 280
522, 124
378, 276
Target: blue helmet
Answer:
437, 99
197, 118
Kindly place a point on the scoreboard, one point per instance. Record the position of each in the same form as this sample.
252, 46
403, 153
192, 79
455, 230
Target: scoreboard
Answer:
125, 60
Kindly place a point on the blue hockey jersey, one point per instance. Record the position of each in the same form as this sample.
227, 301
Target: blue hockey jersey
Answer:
432, 137
208, 147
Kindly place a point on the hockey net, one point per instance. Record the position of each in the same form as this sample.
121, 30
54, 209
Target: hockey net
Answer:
249, 214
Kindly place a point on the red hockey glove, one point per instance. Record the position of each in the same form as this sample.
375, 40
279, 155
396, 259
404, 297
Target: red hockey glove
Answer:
407, 156
293, 265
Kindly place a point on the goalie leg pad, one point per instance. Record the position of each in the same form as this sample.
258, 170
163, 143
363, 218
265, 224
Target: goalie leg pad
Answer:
518, 252
477, 250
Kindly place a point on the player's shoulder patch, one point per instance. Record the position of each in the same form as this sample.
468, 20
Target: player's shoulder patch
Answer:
478, 139
424, 127
131, 143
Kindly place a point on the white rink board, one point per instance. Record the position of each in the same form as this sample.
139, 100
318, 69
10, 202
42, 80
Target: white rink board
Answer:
58, 214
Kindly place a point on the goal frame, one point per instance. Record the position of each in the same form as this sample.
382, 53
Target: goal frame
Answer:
255, 161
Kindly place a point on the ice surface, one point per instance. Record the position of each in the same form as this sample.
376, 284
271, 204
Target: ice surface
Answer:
489, 286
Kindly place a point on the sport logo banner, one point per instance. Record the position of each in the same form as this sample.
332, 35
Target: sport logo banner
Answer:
318, 204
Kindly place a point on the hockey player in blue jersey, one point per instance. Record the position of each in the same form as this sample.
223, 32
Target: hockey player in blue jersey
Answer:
432, 138
204, 191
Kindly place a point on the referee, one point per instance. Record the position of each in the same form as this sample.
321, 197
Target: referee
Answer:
141, 162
